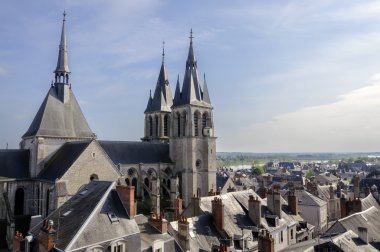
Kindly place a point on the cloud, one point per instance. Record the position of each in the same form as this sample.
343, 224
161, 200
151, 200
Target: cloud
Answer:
3, 71
349, 124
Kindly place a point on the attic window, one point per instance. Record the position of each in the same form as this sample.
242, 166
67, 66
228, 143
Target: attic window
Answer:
66, 213
93, 154
113, 217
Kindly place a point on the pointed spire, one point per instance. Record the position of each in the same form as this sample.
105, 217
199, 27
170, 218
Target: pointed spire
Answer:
205, 95
177, 94
191, 61
62, 70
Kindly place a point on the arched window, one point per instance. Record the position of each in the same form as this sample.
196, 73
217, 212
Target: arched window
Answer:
166, 121
196, 124
179, 124
150, 126
19, 202
204, 120
127, 181
156, 121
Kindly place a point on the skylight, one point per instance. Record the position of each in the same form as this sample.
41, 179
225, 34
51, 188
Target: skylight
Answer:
112, 217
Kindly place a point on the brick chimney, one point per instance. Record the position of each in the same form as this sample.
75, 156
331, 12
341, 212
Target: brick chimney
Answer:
47, 236
274, 201
343, 206
293, 202
355, 181
223, 248
177, 205
266, 242
159, 222
254, 210
18, 242
183, 233
217, 209
231, 188
367, 190
331, 191
127, 196
211, 192
357, 205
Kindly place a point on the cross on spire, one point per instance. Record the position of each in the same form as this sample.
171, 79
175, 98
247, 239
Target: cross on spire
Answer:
64, 16
191, 35
163, 51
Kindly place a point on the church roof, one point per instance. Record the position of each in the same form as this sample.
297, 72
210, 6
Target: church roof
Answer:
192, 92
125, 152
62, 160
14, 164
58, 119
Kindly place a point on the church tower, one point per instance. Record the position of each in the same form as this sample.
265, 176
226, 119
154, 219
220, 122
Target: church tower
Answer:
158, 110
59, 118
192, 140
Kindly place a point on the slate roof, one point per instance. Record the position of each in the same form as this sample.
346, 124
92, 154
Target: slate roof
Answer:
324, 191
368, 202
57, 119
368, 219
370, 182
14, 164
62, 160
88, 222
162, 99
125, 152
307, 199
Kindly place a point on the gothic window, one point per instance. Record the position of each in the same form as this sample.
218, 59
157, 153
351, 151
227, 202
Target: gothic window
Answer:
196, 124
166, 119
204, 120
150, 126
156, 128
127, 181
184, 124
198, 164
19, 202
178, 124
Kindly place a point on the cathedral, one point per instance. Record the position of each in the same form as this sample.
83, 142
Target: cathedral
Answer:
59, 154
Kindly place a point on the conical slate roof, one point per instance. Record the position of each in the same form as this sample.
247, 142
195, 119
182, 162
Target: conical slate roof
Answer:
57, 119
192, 92
62, 62
162, 99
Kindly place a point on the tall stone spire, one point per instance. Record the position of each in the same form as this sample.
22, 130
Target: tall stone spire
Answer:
62, 70
191, 89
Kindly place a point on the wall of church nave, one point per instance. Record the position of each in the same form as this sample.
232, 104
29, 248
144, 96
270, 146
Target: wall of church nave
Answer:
93, 163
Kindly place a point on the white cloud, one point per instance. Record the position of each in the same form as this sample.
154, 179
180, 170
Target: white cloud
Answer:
349, 124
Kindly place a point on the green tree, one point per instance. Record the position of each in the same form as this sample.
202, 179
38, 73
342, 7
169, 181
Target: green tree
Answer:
258, 170
310, 173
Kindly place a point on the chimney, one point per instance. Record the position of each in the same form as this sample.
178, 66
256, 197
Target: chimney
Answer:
357, 205
223, 248
274, 201
18, 242
331, 191
211, 192
177, 204
363, 234
355, 181
254, 210
183, 233
127, 196
47, 236
195, 205
367, 190
159, 222
217, 209
343, 206
231, 189
293, 202
266, 242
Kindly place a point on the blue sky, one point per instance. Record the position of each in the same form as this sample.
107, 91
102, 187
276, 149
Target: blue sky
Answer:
283, 76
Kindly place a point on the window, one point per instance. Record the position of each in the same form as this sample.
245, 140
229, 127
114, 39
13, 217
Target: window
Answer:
156, 121
178, 125
204, 120
166, 119
291, 234
118, 248
94, 177
150, 126
158, 250
195, 124
281, 237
